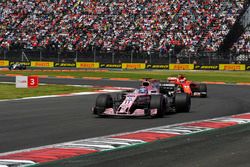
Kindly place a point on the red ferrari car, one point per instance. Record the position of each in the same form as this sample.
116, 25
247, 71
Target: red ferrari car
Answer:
189, 87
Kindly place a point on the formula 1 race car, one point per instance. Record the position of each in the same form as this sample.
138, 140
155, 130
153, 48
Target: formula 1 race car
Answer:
189, 87
17, 66
152, 99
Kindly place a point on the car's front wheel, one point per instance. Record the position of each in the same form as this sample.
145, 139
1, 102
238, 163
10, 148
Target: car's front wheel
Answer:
103, 101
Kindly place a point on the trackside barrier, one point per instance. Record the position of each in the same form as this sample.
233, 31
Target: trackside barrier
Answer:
157, 66
96, 65
4, 63
65, 64
247, 67
140, 66
234, 67
42, 64
181, 66
87, 65
107, 65
25, 63
206, 67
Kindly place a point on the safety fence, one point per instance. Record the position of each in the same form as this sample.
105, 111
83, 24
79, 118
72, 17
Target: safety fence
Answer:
129, 56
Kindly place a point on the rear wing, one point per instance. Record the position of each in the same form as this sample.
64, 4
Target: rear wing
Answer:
166, 87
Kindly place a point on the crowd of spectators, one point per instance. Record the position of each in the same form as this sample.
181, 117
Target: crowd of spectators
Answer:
223, 22
140, 25
243, 44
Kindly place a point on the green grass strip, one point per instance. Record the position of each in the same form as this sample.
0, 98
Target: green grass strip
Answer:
9, 91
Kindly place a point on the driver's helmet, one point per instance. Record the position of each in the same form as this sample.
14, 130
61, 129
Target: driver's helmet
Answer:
182, 78
143, 90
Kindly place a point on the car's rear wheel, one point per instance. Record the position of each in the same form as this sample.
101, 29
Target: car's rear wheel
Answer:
103, 101
160, 103
182, 102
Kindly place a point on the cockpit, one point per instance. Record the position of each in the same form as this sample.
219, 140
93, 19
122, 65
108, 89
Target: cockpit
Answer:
143, 90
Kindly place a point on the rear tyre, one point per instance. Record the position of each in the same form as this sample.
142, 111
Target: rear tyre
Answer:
203, 89
182, 102
160, 103
103, 101
23, 67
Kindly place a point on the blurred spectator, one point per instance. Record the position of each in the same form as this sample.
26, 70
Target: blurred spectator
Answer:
138, 25
243, 44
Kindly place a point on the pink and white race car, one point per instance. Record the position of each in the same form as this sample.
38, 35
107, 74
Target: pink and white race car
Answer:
152, 99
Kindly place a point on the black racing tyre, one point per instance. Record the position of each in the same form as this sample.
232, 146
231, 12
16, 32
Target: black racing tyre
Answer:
203, 88
182, 102
159, 102
24, 67
103, 101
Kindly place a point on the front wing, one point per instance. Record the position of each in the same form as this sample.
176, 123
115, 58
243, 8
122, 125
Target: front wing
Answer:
135, 113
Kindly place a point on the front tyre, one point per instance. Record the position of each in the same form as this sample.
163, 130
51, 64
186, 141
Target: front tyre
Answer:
103, 101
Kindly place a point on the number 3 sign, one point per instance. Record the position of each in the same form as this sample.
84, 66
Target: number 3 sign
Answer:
32, 81
26, 82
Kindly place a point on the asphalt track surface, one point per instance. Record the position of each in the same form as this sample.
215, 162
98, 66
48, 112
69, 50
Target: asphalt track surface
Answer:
38, 122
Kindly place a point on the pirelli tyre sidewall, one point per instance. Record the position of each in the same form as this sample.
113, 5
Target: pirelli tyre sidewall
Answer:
182, 102
103, 101
160, 103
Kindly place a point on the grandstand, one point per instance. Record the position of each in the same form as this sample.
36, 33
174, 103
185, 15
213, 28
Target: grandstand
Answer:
122, 30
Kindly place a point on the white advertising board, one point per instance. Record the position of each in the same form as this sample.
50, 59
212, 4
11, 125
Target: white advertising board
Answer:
21, 82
